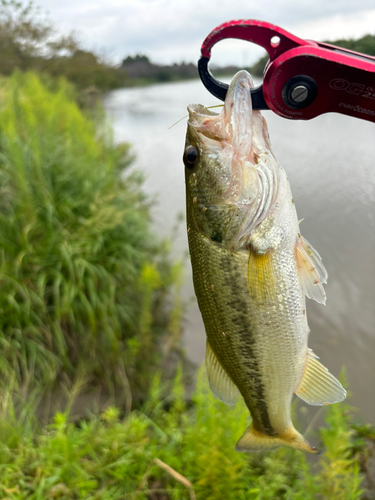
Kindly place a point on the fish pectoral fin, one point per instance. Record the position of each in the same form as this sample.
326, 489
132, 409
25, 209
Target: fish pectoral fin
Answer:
220, 384
311, 271
319, 386
261, 277
253, 440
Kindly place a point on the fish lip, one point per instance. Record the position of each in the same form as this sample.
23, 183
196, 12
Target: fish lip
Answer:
200, 110
198, 113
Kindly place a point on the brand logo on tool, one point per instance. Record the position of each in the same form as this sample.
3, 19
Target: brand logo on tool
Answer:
351, 88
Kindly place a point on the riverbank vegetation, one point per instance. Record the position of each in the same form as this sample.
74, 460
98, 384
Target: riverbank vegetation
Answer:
168, 450
86, 288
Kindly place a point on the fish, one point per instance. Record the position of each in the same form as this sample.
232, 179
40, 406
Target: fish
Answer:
252, 271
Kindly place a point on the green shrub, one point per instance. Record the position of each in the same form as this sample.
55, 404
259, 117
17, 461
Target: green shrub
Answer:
85, 285
182, 453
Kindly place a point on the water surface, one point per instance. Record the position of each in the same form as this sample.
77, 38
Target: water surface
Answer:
330, 163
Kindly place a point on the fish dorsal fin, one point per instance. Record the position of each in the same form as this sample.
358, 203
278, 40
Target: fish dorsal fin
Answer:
220, 384
319, 386
311, 271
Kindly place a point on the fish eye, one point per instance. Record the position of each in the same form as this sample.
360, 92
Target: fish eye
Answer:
191, 156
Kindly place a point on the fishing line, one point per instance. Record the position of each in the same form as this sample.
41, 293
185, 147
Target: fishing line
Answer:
313, 420
207, 107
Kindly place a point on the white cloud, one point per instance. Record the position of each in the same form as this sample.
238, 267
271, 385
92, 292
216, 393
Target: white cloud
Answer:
170, 31
353, 25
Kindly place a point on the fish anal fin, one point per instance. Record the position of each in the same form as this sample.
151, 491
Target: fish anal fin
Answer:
253, 440
311, 271
319, 386
220, 384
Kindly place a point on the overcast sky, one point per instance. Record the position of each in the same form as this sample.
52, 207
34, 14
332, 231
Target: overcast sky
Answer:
172, 31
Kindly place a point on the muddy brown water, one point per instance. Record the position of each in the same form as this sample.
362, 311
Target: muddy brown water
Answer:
330, 163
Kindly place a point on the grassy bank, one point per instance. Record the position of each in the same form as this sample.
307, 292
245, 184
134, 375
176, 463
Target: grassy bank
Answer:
170, 451
87, 290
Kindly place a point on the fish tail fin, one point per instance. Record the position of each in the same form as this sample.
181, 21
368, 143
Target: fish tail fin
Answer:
253, 440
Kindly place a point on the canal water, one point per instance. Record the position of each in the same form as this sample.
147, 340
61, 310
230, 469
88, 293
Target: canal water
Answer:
330, 163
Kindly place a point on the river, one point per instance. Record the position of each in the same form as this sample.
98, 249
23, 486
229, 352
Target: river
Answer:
330, 163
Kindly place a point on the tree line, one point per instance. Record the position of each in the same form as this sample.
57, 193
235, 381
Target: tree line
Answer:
29, 41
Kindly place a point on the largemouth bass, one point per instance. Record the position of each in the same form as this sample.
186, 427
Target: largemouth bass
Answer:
252, 270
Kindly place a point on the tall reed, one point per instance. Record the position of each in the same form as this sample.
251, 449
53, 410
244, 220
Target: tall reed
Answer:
76, 247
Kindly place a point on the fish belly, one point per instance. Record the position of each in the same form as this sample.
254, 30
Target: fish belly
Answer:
255, 326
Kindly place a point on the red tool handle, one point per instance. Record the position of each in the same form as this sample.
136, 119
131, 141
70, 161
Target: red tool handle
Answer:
303, 78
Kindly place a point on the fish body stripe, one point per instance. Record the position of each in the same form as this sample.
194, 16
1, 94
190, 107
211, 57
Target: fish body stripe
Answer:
226, 309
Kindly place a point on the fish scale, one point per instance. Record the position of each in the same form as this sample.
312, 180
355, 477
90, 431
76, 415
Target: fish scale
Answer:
252, 271
217, 302
230, 309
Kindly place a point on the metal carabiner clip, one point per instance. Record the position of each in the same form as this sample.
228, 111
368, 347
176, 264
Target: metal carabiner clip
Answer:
302, 78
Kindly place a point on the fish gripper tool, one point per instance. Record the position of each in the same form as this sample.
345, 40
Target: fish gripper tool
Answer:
303, 78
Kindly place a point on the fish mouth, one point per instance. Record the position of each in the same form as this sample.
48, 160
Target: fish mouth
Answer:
198, 114
199, 109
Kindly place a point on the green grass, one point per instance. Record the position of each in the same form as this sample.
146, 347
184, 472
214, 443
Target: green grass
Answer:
86, 288
138, 457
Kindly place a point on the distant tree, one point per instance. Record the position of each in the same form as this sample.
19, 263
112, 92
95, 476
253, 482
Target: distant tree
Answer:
84, 69
258, 68
28, 40
27, 37
165, 75
365, 45
135, 59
